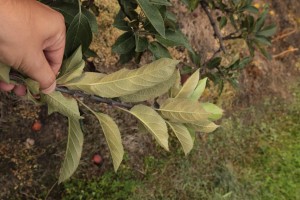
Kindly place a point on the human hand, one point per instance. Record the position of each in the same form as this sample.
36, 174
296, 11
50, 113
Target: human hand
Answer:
32, 41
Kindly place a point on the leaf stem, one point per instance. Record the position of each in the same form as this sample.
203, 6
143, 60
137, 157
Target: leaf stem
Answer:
96, 98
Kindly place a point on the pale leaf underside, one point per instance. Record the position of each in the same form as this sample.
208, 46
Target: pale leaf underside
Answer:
183, 135
150, 93
189, 86
65, 105
73, 152
113, 138
183, 110
125, 82
153, 122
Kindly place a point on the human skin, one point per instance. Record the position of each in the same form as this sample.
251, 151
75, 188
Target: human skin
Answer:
32, 41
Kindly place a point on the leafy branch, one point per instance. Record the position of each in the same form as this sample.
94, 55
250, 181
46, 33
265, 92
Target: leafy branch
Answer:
151, 28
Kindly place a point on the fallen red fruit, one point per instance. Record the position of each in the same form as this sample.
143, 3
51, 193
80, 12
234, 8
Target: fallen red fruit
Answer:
36, 126
97, 159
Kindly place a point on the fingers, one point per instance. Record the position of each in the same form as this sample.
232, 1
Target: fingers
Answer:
6, 86
19, 90
54, 53
39, 69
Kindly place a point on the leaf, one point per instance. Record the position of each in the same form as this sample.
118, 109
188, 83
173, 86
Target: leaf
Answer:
150, 93
177, 85
120, 23
222, 22
199, 90
204, 127
183, 135
124, 43
153, 122
79, 33
183, 110
161, 2
4, 73
32, 85
72, 62
125, 82
113, 138
86, 79
129, 8
73, 152
158, 50
154, 16
174, 38
91, 18
215, 62
267, 31
64, 105
68, 10
141, 43
189, 86
72, 74
214, 111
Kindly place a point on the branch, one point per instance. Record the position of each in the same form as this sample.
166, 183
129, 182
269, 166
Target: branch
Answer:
76, 93
213, 24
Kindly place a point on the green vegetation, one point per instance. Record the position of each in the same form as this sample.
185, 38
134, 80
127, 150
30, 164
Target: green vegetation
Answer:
255, 155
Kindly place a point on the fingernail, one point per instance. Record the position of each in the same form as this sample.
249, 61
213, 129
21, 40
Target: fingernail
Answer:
49, 89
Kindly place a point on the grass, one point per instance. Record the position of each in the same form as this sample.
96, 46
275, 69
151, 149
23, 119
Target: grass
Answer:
255, 155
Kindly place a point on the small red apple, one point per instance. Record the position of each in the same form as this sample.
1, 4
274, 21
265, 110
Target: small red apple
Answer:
97, 159
36, 126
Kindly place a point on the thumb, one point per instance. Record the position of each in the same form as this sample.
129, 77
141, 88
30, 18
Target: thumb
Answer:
39, 70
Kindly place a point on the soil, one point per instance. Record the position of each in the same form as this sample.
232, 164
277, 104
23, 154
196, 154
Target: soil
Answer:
30, 160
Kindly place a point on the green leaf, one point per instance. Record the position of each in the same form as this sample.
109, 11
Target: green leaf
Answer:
4, 73
189, 86
183, 135
91, 18
222, 22
66, 106
262, 40
174, 38
153, 122
113, 138
79, 33
251, 9
129, 8
141, 43
158, 50
68, 10
72, 62
183, 110
151, 93
199, 90
261, 20
73, 152
195, 58
161, 2
214, 111
154, 16
124, 43
204, 127
72, 74
125, 82
215, 62
267, 31
120, 23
